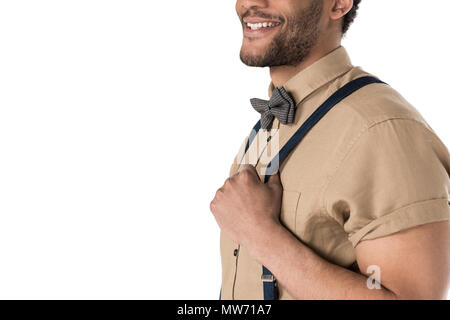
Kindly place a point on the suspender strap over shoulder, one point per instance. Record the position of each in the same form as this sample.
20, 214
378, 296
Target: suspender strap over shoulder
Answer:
318, 114
269, 282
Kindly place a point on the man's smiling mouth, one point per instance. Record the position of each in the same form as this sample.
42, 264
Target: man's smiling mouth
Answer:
255, 25
260, 25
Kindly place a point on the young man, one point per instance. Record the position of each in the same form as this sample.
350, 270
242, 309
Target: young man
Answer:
359, 209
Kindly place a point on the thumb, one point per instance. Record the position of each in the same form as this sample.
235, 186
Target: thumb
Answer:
274, 180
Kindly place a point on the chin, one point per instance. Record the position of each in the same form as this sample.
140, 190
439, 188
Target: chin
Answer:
252, 51
252, 60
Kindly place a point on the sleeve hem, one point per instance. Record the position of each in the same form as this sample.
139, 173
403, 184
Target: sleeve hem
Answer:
404, 218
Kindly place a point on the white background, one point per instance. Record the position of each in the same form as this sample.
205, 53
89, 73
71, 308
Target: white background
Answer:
120, 119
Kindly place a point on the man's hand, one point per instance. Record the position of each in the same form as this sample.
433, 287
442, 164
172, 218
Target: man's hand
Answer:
413, 263
246, 209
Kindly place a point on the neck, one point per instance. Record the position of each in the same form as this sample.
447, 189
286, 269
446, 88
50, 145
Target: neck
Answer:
281, 74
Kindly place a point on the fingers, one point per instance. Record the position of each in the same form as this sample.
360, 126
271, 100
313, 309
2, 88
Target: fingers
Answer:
218, 197
247, 173
248, 167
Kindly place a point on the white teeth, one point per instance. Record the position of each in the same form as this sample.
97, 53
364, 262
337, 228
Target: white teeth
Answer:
256, 26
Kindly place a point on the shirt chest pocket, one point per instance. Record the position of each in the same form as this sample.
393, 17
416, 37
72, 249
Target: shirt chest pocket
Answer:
289, 204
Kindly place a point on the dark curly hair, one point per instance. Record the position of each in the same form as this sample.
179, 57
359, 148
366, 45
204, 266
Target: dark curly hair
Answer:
350, 16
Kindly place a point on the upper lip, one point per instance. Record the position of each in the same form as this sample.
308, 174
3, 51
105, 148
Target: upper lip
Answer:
259, 20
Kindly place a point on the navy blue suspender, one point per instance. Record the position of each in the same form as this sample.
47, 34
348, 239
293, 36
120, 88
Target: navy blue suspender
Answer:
320, 112
269, 282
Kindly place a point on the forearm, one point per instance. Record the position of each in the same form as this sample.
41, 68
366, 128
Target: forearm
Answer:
305, 275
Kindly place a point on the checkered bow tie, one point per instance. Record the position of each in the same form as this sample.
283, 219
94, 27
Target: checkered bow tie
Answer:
281, 105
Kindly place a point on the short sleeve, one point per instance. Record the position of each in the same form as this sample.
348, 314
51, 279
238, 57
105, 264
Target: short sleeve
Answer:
394, 177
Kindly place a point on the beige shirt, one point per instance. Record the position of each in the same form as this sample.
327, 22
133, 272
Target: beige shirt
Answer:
371, 167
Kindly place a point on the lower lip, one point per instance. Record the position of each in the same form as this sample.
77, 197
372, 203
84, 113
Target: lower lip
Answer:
261, 31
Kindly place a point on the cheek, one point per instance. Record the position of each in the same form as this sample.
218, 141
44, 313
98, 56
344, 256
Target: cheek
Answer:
239, 8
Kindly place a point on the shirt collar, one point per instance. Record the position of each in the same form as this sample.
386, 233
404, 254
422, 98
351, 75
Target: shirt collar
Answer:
316, 75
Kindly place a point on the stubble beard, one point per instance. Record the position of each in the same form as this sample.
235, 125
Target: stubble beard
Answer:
293, 45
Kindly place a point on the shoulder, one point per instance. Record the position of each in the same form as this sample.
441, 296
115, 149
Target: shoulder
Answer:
377, 103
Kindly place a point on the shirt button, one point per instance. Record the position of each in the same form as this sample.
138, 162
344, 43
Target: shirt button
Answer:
235, 252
